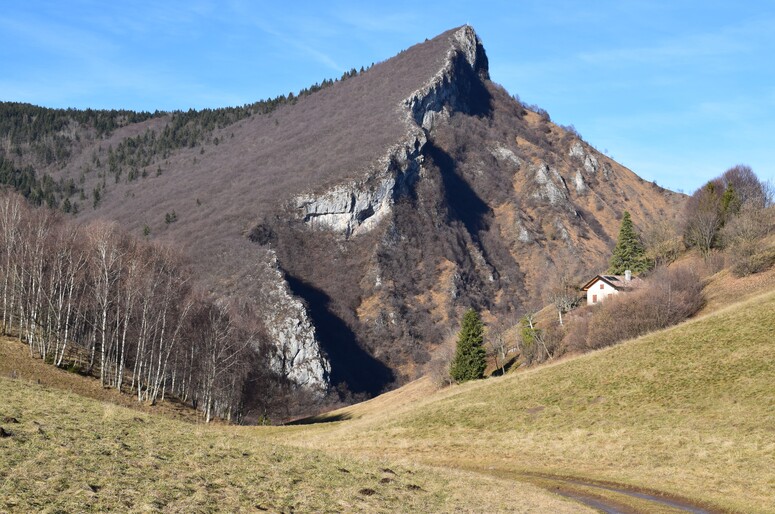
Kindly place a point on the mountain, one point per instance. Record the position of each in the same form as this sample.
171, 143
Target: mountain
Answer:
357, 220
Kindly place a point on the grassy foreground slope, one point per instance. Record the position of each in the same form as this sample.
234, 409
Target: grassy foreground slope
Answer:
15, 361
688, 411
60, 452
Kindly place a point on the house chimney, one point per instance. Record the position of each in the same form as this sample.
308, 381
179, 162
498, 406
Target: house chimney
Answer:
627, 275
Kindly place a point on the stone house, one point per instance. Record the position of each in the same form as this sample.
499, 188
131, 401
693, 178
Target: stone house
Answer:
603, 287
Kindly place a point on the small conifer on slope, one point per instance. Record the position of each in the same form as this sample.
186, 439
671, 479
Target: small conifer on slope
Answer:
469, 361
629, 253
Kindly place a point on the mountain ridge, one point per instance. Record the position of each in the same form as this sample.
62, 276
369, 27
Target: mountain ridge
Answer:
358, 221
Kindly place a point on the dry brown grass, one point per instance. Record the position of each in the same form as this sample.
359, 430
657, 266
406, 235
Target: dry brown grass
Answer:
67, 453
15, 362
688, 411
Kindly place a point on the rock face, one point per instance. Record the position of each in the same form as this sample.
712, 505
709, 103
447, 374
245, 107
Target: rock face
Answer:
298, 356
504, 154
357, 207
552, 187
589, 161
454, 86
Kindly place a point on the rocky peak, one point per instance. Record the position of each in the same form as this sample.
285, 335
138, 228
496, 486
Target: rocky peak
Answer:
457, 85
357, 206
470, 45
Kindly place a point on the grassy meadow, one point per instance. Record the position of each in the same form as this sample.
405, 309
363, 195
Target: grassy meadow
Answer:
688, 411
63, 452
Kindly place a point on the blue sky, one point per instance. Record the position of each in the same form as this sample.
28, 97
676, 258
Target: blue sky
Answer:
676, 90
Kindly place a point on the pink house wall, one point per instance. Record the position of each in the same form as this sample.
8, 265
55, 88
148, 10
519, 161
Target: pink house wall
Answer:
596, 293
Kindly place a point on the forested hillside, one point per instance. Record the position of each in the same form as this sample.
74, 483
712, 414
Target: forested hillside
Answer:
95, 300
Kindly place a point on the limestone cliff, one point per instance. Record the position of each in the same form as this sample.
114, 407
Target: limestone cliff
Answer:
297, 356
359, 205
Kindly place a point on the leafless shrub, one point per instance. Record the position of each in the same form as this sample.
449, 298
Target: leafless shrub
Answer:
743, 236
554, 336
539, 344
704, 217
438, 367
671, 296
662, 242
756, 263
577, 330
714, 262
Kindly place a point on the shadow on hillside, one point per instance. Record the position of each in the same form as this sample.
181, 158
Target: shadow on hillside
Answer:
478, 100
506, 367
350, 363
462, 201
322, 418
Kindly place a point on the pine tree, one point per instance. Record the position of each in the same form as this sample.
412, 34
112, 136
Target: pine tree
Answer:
469, 361
730, 203
629, 253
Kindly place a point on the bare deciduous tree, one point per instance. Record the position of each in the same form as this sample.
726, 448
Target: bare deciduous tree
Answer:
95, 294
663, 244
704, 217
562, 283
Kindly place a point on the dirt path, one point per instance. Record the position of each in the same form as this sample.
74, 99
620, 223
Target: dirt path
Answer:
608, 497
653, 503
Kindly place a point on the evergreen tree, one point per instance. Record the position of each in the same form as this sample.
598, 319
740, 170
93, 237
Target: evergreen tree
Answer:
730, 203
469, 362
629, 253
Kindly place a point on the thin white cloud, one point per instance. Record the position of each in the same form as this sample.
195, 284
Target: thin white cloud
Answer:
668, 52
299, 33
732, 40
56, 38
372, 22
305, 48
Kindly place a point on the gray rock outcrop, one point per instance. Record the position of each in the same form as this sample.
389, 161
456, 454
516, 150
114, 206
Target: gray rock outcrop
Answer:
297, 352
356, 207
551, 185
353, 208
588, 160
578, 180
448, 88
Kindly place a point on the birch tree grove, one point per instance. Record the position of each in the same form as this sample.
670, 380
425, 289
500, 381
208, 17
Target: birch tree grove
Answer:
92, 298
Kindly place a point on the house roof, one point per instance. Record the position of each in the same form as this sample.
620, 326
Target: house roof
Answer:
618, 282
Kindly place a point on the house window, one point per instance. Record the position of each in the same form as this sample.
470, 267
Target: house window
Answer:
602, 286
594, 298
